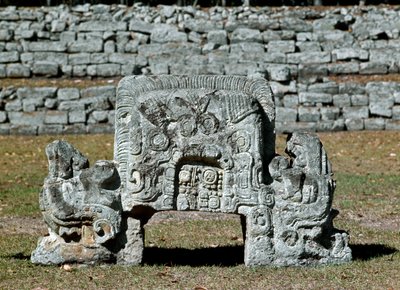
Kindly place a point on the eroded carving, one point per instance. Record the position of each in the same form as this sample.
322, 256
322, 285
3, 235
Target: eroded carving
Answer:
81, 207
193, 143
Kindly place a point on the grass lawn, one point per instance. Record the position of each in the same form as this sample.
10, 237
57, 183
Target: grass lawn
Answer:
206, 252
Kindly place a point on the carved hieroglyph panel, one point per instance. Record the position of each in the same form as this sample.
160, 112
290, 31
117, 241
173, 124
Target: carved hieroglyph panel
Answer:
202, 122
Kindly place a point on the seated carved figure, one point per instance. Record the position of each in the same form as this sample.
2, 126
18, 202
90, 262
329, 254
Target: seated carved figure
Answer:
198, 143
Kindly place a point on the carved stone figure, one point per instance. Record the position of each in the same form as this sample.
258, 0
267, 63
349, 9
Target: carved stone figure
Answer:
203, 143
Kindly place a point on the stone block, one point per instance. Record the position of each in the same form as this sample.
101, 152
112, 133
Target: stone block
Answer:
107, 92
98, 58
309, 97
344, 68
67, 36
341, 100
3, 117
396, 113
372, 68
109, 46
122, 58
54, 57
5, 129
57, 26
6, 34
141, 26
309, 57
309, 114
246, 35
71, 106
32, 104
79, 70
326, 88
9, 56
50, 129
95, 45
374, 124
275, 57
311, 72
219, 37
392, 125
68, 94
359, 100
102, 26
16, 70
326, 23
354, 124
351, 88
39, 92
25, 118
286, 114
79, 58
282, 46
304, 46
355, 113
245, 52
3, 72
40, 46
56, 117
167, 33
75, 129
99, 116
290, 101
23, 130
350, 53
240, 68
329, 113
290, 127
13, 106
76, 117
45, 68
280, 73
96, 103
381, 104
108, 70
51, 103
325, 126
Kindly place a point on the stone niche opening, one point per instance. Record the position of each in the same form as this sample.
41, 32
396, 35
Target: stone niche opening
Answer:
192, 143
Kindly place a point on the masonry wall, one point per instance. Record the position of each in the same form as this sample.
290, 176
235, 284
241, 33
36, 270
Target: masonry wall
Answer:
321, 63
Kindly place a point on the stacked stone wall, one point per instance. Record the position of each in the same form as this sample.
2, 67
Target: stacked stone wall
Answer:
305, 54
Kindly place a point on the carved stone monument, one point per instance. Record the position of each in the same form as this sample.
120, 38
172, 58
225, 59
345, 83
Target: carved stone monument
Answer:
192, 143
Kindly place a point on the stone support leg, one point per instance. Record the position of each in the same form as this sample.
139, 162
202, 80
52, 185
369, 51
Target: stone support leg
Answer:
132, 242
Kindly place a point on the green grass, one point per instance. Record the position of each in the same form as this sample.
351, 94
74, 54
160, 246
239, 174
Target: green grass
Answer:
209, 253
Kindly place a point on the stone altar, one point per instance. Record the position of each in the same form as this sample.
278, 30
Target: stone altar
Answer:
192, 143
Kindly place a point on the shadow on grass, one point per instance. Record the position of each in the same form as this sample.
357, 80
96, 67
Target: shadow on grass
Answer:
234, 255
369, 251
219, 256
229, 255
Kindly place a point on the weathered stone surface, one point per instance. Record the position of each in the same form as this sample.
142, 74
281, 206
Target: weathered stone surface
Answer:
374, 124
102, 26
167, 33
246, 35
215, 137
15, 70
40, 92
89, 216
354, 124
67, 94
56, 117
45, 68
9, 56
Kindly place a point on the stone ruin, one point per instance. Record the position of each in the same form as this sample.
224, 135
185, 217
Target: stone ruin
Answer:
192, 143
